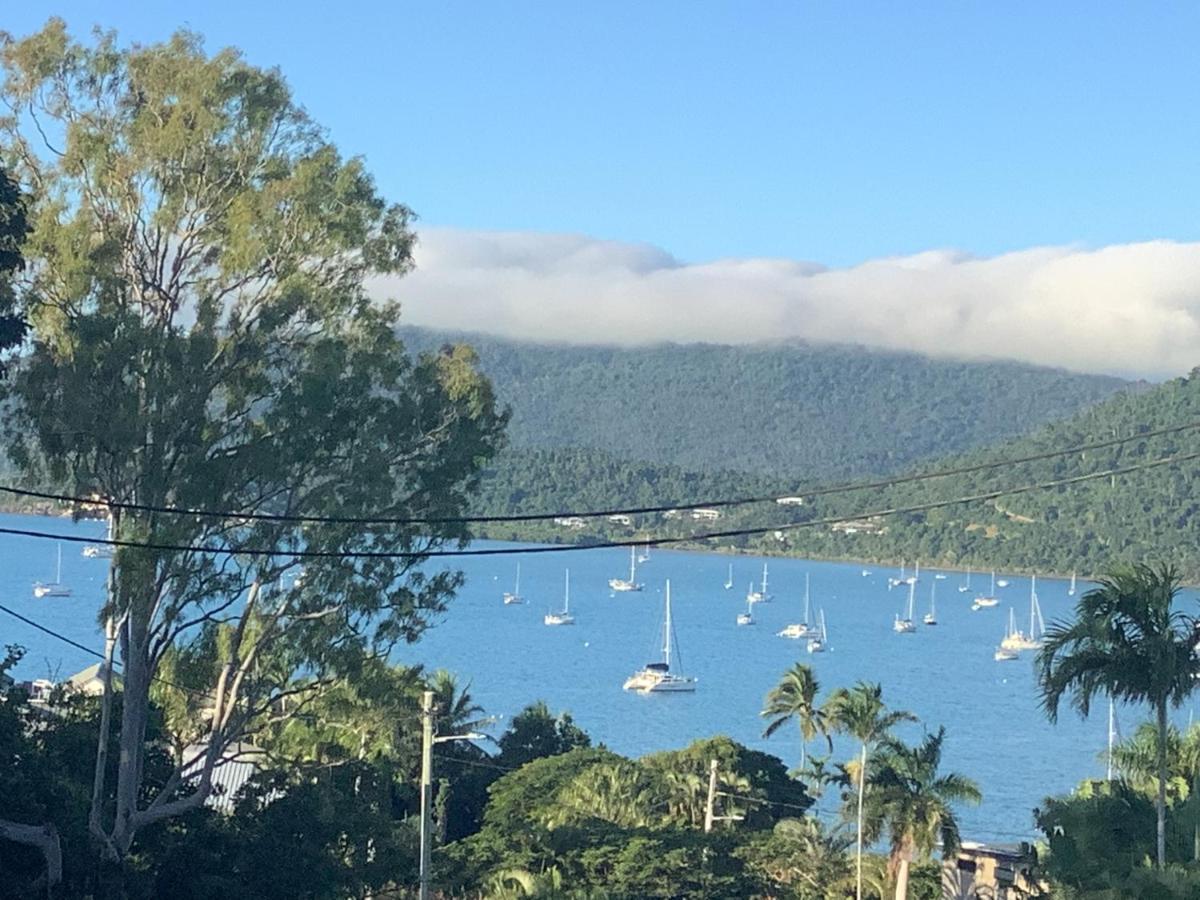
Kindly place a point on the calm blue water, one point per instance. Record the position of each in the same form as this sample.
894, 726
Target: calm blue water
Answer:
946, 675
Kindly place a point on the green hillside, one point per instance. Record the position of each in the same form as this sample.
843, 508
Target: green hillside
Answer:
1154, 514
821, 411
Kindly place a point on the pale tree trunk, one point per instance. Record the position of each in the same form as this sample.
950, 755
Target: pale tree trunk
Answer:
135, 695
902, 879
1160, 802
45, 839
862, 782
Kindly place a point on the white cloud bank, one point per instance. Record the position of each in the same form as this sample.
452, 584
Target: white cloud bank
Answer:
1131, 309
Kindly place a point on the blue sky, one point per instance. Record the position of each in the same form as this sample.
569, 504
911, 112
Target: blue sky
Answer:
829, 132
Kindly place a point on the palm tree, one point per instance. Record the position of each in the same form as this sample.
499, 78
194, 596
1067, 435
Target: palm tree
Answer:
860, 713
1136, 759
795, 697
913, 801
456, 711
1127, 642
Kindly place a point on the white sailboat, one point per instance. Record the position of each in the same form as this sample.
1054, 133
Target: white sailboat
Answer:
1019, 640
990, 600
906, 625
866, 573
797, 631
818, 643
97, 551
761, 595
564, 617
1002, 582
930, 617
514, 596
657, 677
53, 588
746, 618
1071, 589
644, 556
1006, 653
622, 585
729, 578
896, 582
966, 585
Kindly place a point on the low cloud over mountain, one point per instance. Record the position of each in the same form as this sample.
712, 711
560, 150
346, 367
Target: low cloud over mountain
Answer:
1131, 309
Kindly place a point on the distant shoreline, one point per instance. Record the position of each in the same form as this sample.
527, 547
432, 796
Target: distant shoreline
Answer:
49, 509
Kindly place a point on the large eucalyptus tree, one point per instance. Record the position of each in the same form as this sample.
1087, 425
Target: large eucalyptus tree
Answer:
202, 339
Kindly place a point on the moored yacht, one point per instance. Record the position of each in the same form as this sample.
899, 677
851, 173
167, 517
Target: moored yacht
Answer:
620, 584
819, 642
657, 677
746, 618
761, 595
563, 617
906, 625
514, 596
53, 588
800, 630
990, 600
1019, 640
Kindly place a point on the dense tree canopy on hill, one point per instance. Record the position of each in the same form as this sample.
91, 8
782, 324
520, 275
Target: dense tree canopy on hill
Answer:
795, 409
1153, 513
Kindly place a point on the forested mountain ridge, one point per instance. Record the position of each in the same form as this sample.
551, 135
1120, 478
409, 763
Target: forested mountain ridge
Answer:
823, 411
1152, 514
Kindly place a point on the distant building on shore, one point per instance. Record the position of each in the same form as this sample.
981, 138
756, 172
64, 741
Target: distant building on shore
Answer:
994, 871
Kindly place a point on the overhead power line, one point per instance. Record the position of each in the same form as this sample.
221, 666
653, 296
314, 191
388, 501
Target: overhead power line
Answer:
88, 650
814, 491
601, 545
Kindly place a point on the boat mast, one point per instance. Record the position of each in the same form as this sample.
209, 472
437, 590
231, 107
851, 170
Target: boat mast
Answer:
764, 583
912, 590
805, 598
1032, 603
667, 629
632, 563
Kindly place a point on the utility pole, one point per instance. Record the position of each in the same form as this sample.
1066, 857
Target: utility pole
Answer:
712, 796
426, 790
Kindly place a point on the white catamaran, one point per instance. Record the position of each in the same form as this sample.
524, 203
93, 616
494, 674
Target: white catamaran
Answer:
563, 617
802, 629
514, 596
620, 584
657, 677
53, 588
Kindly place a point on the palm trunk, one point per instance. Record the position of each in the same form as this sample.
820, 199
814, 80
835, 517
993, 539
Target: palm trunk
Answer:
862, 782
1160, 802
902, 879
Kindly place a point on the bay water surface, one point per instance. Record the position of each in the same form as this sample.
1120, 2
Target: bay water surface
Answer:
997, 733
